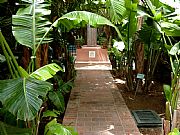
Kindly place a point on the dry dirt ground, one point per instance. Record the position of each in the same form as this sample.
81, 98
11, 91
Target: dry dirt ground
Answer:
154, 100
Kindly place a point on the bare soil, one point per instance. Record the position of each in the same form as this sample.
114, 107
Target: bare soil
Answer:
153, 100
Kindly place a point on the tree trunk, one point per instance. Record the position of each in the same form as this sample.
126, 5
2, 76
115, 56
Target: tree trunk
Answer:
42, 56
107, 30
26, 57
139, 62
139, 56
38, 57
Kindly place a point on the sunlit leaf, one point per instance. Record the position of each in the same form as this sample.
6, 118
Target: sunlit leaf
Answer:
174, 50
46, 72
170, 29
174, 132
49, 113
55, 128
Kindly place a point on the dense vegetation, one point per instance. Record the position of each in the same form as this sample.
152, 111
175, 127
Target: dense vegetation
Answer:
35, 36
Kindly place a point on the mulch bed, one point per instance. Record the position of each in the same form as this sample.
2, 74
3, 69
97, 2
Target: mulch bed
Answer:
154, 100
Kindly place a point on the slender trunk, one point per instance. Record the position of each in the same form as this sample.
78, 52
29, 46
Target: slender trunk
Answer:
178, 103
139, 62
148, 71
129, 60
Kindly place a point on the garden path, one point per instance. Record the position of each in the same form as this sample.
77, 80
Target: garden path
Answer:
96, 106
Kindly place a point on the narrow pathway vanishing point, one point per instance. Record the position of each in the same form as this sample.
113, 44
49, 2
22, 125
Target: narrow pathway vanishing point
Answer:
96, 106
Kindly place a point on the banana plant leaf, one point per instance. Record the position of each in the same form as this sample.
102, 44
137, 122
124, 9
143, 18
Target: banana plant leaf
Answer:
117, 10
170, 29
132, 17
22, 96
81, 18
30, 24
46, 72
72, 19
11, 130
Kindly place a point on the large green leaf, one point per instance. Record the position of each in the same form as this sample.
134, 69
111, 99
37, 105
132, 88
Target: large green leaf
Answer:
117, 10
132, 22
46, 72
132, 17
72, 19
75, 18
21, 96
170, 29
10, 130
30, 24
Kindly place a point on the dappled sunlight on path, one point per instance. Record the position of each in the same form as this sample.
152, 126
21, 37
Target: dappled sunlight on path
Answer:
96, 106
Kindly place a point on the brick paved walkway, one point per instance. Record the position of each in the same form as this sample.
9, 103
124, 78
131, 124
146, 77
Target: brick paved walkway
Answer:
96, 107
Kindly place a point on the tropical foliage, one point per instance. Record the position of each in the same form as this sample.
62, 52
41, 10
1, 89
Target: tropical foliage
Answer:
21, 96
9, 130
24, 92
55, 128
30, 25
